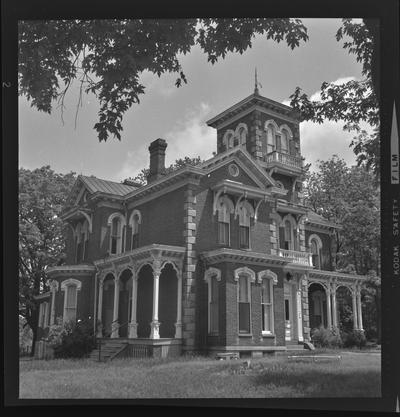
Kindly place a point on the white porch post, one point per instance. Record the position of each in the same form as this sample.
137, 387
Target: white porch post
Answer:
133, 323
359, 309
155, 324
299, 314
328, 306
334, 306
354, 299
54, 288
100, 308
178, 324
114, 325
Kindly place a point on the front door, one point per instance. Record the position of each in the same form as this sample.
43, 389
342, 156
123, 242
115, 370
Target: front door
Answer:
289, 323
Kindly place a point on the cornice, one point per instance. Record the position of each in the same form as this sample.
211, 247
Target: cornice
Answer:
70, 269
317, 273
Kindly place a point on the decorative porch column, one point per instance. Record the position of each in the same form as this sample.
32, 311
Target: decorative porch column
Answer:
328, 305
359, 309
354, 299
115, 325
155, 324
100, 308
54, 288
133, 323
334, 306
178, 324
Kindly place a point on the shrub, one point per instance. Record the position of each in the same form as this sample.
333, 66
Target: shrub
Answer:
354, 338
74, 340
322, 337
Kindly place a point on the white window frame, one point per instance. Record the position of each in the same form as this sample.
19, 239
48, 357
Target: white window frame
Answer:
294, 237
210, 274
120, 240
239, 129
228, 139
245, 212
64, 287
250, 276
275, 131
132, 223
272, 278
225, 208
318, 241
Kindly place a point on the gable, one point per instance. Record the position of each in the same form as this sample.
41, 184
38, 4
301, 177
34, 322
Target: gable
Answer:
249, 171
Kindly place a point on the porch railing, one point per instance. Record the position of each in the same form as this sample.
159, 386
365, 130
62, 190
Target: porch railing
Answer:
304, 258
284, 159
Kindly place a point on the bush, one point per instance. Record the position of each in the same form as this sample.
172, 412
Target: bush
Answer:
73, 340
325, 338
354, 338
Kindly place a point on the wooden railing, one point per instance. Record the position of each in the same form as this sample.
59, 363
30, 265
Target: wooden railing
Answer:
304, 258
284, 159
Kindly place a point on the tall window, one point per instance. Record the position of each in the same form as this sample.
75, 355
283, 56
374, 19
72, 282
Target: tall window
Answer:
242, 134
245, 213
266, 305
270, 139
224, 215
284, 142
44, 315
116, 236
70, 287
244, 304
315, 248
228, 139
135, 225
287, 234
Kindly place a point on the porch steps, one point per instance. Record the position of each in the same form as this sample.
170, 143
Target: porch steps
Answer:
108, 350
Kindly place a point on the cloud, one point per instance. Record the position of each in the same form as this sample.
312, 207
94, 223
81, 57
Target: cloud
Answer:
188, 137
321, 141
192, 137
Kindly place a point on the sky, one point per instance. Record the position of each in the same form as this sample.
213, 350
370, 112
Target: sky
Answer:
179, 115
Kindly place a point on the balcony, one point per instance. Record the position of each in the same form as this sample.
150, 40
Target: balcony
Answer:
284, 159
303, 258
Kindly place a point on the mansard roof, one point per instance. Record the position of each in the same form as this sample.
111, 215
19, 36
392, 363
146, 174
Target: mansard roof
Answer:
255, 101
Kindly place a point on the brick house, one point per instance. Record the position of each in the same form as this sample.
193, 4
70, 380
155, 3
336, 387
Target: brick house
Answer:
222, 256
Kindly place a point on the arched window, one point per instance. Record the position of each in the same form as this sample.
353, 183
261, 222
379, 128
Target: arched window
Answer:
82, 238
225, 208
44, 314
228, 139
70, 288
284, 142
270, 139
246, 211
135, 221
288, 234
116, 222
315, 244
244, 276
212, 277
241, 134
267, 279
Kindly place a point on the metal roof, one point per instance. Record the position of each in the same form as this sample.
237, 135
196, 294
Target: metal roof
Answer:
95, 184
315, 218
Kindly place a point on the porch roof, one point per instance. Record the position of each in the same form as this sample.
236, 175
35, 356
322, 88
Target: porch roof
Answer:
333, 275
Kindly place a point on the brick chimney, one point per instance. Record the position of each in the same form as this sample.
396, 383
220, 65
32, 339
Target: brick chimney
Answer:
157, 159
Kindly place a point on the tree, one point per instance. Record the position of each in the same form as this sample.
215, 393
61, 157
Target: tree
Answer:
351, 197
356, 100
141, 178
107, 57
42, 193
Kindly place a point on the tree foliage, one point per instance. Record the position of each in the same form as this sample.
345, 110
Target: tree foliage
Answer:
107, 57
141, 178
42, 193
355, 101
350, 196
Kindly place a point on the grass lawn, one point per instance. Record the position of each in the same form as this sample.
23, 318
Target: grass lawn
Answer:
354, 375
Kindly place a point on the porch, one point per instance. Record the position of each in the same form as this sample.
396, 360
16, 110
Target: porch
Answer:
140, 296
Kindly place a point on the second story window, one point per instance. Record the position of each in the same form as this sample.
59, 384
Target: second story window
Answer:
116, 224
315, 245
82, 238
134, 222
287, 234
225, 208
245, 213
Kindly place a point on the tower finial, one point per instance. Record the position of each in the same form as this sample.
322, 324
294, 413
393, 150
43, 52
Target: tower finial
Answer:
256, 83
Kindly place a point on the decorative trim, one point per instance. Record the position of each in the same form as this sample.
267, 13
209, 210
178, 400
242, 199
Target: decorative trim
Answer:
116, 214
70, 269
244, 271
267, 273
71, 281
284, 126
212, 272
137, 213
274, 124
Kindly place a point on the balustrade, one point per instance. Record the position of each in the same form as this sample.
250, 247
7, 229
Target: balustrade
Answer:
284, 159
304, 258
